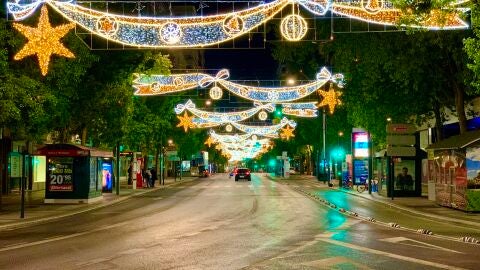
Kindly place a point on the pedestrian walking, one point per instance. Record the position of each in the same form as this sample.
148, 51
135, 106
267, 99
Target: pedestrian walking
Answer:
146, 178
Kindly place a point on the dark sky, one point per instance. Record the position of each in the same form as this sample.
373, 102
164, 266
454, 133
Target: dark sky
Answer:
243, 64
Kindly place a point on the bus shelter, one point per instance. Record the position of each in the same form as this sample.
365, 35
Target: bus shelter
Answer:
76, 174
455, 167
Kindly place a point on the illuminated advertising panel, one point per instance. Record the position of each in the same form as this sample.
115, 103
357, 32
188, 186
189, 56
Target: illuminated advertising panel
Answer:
360, 143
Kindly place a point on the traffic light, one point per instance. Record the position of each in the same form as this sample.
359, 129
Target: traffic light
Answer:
338, 153
278, 112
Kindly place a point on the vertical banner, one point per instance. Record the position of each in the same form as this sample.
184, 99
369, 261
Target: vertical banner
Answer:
60, 174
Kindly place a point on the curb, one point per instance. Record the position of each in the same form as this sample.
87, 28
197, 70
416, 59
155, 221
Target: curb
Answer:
23, 224
407, 209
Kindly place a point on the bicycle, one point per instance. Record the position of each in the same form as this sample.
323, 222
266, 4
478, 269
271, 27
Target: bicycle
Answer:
362, 187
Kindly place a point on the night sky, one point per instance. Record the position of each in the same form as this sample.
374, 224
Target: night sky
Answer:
243, 64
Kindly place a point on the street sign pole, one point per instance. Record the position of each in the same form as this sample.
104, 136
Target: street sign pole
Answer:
22, 187
117, 169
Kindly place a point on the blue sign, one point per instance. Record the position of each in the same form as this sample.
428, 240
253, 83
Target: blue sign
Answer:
360, 171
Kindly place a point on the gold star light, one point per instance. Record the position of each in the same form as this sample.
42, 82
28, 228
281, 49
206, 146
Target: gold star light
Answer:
44, 41
185, 121
330, 99
209, 141
287, 132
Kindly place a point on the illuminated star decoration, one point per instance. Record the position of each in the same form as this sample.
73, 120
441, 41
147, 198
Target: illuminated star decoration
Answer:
44, 41
287, 133
209, 141
185, 121
330, 99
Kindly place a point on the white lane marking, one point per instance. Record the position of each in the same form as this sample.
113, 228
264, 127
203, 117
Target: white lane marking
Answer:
131, 251
334, 261
387, 254
48, 240
16, 244
415, 243
99, 260
348, 223
57, 238
158, 198
192, 234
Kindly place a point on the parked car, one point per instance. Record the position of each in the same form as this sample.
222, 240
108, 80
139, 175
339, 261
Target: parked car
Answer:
243, 173
292, 171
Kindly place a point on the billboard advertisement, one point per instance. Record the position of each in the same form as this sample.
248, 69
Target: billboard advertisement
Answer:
107, 173
360, 144
60, 174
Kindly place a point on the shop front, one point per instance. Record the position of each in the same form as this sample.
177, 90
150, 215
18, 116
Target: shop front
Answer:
76, 174
456, 171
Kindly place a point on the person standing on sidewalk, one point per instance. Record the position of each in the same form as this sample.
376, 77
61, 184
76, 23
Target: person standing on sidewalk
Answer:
153, 177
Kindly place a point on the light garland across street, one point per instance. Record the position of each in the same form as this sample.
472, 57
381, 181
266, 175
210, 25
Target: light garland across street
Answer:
144, 31
147, 85
222, 118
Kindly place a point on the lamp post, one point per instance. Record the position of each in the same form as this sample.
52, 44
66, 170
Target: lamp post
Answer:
324, 130
340, 134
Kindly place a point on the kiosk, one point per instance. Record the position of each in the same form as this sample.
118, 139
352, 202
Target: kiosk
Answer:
456, 171
76, 174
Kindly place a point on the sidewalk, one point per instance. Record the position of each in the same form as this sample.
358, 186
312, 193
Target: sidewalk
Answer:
415, 205
36, 211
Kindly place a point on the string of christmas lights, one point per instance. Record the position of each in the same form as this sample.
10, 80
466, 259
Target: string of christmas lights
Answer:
200, 31
222, 118
266, 131
147, 85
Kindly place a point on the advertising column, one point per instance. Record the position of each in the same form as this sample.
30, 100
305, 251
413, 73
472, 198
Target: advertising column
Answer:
360, 155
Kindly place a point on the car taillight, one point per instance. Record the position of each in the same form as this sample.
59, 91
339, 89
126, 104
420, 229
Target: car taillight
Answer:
247, 173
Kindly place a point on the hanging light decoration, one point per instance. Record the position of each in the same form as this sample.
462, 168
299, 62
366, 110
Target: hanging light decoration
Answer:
331, 98
44, 41
144, 84
145, 31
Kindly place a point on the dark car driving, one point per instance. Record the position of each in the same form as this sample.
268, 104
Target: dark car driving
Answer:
243, 173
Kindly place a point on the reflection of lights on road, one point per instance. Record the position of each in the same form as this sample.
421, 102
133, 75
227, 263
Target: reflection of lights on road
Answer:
335, 219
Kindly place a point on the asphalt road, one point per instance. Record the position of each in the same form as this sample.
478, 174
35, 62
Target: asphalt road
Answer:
217, 223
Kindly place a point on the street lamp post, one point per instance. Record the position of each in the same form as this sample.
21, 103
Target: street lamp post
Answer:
324, 130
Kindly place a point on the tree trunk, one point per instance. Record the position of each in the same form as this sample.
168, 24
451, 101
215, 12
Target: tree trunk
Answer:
438, 121
84, 136
460, 107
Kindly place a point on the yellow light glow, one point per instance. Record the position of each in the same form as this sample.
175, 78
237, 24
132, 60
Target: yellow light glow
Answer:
44, 41
287, 133
293, 27
185, 121
209, 142
330, 98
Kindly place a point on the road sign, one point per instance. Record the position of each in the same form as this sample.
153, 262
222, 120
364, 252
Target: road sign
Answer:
401, 140
171, 153
401, 151
401, 129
